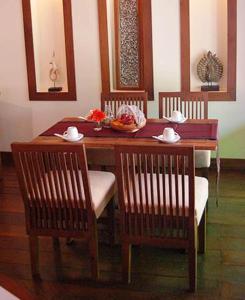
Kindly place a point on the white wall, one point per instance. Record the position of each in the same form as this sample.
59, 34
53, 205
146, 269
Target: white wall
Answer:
21, 119
166, 52
166, 48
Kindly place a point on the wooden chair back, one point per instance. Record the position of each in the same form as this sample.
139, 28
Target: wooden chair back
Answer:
115, 99
55, 188
193, 105
156, 194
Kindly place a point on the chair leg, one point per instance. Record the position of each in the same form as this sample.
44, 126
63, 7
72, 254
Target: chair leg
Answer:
192, 255
1, 168
57, 258
56, 242
111, 221
34, 255
205, 172
93, 253
69, 241
202, 234
192, 269
126, 262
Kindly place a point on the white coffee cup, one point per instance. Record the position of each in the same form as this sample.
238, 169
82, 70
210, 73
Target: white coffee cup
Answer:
169, 134
71, 132
176, 116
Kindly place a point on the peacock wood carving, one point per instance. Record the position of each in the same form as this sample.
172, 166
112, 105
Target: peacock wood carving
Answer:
210, 69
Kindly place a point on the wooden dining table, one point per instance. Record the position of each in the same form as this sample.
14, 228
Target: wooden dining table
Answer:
100, 149
110, 142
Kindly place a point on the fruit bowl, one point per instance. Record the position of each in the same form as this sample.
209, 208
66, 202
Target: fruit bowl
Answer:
133, 127
129, 119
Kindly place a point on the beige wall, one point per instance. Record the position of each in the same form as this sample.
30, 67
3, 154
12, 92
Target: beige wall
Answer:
21, 119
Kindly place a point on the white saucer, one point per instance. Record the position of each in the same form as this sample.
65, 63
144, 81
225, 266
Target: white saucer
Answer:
173, 121
64, 137
162, 139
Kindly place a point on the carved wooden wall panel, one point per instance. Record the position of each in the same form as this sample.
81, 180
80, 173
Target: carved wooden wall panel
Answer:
127, 43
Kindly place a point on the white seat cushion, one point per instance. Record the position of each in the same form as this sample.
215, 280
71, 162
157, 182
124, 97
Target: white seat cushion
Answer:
202, 158
102, 185
201, 195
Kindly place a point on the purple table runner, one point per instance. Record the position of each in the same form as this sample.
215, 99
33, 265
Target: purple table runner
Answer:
185, 130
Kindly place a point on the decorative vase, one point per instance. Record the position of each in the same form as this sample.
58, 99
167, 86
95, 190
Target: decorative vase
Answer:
98, 126
107, 122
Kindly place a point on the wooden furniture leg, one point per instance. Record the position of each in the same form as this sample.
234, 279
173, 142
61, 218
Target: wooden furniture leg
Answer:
69, 241
192, 257
202, 234
205, 172
1, 168
111, 221
34, 253
93, 253
126, 261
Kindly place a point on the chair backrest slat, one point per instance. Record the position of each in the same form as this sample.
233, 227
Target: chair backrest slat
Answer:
115, 99
170, 191
164, 213
156, 190
193, 105
177, 184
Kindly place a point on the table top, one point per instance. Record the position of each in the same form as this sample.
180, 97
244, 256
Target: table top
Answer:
110, 142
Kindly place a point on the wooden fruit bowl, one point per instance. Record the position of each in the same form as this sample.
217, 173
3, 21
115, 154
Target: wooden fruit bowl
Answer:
115, 124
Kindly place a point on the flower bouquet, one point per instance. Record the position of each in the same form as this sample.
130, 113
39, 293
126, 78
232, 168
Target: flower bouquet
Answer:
97, 116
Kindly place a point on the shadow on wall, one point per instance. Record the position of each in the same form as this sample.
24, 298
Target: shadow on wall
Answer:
233, 145
15, 124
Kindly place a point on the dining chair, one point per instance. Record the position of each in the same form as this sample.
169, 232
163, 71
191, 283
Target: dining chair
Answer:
193, 105
115, 99
161, 201
61, 197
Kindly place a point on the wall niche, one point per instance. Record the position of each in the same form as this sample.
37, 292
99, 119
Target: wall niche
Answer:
49, 49
214, 23
126, 45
